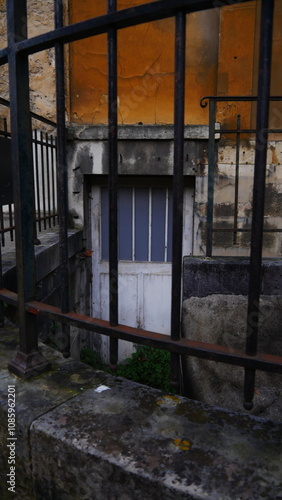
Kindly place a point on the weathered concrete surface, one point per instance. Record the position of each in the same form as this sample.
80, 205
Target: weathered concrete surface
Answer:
221, 319
228, 275
34, 398
143, 150
215, 311
129, 441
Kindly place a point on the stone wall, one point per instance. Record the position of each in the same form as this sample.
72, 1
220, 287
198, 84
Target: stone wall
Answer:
42, 65
215, 311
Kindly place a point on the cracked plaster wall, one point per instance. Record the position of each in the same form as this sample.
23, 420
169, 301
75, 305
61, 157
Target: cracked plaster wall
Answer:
42, 65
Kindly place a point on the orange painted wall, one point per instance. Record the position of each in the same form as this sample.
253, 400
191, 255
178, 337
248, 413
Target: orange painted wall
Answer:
235, 61
221, 58
145, 68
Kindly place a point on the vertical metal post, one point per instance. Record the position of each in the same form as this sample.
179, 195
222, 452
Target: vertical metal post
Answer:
211, 165
177, 232
1, 286
43, 179
113, 184
258, 193
28, 360
37, 179
62, 177
236, 195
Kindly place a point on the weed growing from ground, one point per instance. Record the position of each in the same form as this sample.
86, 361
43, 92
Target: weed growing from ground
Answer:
146, 366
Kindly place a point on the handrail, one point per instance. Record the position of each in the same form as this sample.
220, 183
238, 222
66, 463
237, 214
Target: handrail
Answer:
6, 103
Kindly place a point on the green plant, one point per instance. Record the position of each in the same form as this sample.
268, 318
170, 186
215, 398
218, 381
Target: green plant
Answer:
91, 358
147, 366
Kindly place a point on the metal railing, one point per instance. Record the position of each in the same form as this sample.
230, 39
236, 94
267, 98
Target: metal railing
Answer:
212, 101
44, 147
28, 360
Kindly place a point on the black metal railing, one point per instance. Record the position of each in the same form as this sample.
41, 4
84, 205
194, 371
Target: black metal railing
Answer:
44, 147
238, 131
28, 360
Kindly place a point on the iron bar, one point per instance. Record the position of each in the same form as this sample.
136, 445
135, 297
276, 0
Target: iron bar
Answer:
37, 180
53, 182
259, 191
121, 19
211, 166
236, 194
40, 118
48, 178
11, 223
28, 360
2, 227
203, 350
113, 182
178, 183
1, 285
231, 98
241, 230
62, 175
42, 144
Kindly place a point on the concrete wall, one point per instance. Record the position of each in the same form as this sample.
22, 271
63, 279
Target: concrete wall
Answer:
215, 311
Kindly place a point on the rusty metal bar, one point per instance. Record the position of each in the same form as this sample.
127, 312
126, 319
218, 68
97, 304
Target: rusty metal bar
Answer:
178, 183
203, 350
113, 182
28, 360
236, 194
62, 175
258, 192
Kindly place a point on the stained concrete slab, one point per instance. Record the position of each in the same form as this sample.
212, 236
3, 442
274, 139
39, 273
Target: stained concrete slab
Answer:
133, 442
83, 434
34, 398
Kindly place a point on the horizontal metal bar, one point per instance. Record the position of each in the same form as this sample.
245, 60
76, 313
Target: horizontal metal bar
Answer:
264, 362
121, 19
230, 98
40, 118
3, 56
240, 230
246, 131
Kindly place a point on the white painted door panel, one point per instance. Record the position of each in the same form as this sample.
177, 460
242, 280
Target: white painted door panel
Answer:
144, 287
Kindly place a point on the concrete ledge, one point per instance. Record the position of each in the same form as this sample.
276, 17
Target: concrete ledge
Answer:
228, 275
154, 132
46, 256
77, 441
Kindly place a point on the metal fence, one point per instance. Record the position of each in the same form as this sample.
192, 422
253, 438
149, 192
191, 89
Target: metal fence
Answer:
28, 360
238, 132
44, 146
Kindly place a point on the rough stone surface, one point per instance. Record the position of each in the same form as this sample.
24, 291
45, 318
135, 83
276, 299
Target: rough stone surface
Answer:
221, 319
228, 275
34, 398
129, 441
